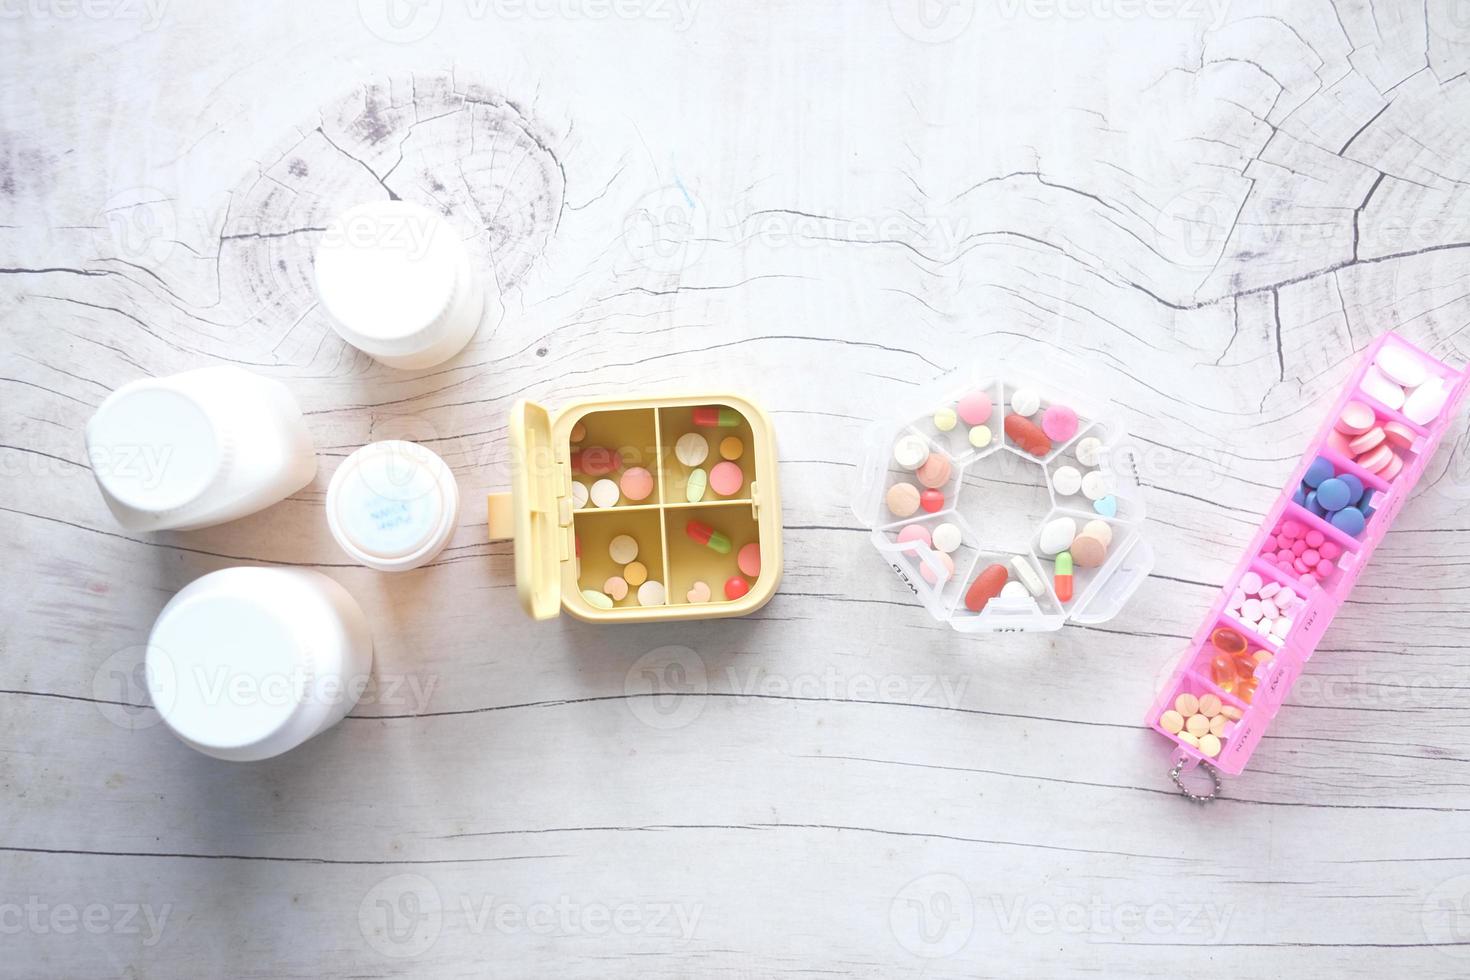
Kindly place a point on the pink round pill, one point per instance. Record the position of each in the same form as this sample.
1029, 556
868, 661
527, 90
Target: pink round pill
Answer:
1310, 556
935, 471
749, 559
1308, 579
1329, 550
1059, 423
1339, 442
1393, 468
1315, 538
1399, 435
975, 408
915, 532
1298, 546
1356, 418
1366, 441
1324, 569
928, 572
1291, 529
1300, 565
1270, 544
1284, 556
726, 479
1377, 459
636, 483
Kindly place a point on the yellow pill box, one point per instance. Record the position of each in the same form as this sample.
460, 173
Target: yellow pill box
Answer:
541, 515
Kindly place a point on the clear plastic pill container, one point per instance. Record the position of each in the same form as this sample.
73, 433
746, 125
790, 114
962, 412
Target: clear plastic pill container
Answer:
969, 514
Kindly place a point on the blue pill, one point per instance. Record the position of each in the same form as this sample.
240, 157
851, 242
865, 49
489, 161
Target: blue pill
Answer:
1300, 497
1107, 506
1312, 505
1349, 519
1355, 487
1364, 500
1333, 494
1321, 469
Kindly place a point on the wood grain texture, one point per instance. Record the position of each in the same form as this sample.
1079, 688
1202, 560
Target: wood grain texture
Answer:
1208, 206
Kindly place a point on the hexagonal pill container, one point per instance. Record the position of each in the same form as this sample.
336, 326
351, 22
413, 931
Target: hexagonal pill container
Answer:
1005, 492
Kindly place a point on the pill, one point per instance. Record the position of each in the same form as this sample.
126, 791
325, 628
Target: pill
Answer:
698, 592
616, 588
926, 569
579, 495
726, 479
1320, 469
596, 461
945, 419
1066, 481
1329, 550
1218, 723
635, 573
1222, 671
947, 538
651, 593
1400, 366
1355, 494
916, 532
1096, 485
1232, 712
1250, 611
1424, 402
1171, 721
1014, 590
1186, 704
605, 493
1197, 725
708, 536
1057, 535
987, 586
597, 600
903, 499
1333, 494
1375, 460
736, 587
1339, 442
1025, 401
1101, 530
1027, 575
699, 483
748, 559
731, 447
1087, 551
1227, 641
1399, 435
1376, 385
1209, 705
1209, 744
1089, 451
1349, 520
935, 471
1361, 444
622, 549
691, 449
1107, 506
975, 408
1027, 434
1189, 739
1394, 467
716, 416
636, 483
1059, 423
932, 501
1251, 583
980, 436
579, 432
910, 452
1062, 577
1356, 418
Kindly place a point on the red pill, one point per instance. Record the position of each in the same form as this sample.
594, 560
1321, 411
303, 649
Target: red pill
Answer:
735, 587
596, 461
987, 586
1027, 434
932, 501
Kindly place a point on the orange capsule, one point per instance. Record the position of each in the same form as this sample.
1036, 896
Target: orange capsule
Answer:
1222, 669
1246, 689
1228, 641
1245, 667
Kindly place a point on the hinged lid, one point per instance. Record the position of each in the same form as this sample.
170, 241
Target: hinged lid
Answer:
537, 511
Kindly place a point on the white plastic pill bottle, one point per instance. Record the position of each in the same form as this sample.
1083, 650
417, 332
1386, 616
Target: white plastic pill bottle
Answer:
246, 663
393, 505
396, 281
198, 448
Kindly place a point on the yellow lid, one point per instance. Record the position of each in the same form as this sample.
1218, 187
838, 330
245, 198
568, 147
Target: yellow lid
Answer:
535, 475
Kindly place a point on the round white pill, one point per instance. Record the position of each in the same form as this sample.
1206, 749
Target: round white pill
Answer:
1101, 530
1250, 583
651, 593
910, 452
1281, 627
579, 495
980, 436
1250, 610
1379, 386
1089, 451
605, 493
946, 538
1268, 590
1025, 401
622, 549
1286, 598
1400, 366
691, 449
1237, 599
1066, 481
1269, 610
1096, 485
1014, 590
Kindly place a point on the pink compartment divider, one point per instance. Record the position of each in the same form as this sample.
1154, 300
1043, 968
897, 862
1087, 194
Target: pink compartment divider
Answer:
1322, 602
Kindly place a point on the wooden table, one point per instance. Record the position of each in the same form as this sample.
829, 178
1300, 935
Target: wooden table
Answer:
1210, 207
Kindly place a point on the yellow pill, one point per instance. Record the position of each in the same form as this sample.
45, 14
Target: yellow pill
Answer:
1171, 721
1231, 711
980, 436
731, 448
1209, 745
1197, 725
1186, 704
945, 419
1217, 725
635, 573
1188, 739
1209, 705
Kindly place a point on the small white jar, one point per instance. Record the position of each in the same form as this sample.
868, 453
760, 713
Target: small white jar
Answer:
396, 281
198, 448
246, 663
393, 505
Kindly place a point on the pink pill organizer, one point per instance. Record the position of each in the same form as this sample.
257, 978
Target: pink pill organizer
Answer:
1283, 656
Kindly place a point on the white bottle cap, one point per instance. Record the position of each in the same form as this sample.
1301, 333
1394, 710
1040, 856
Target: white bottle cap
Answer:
392, 505
396, 281
154, 448
247, 663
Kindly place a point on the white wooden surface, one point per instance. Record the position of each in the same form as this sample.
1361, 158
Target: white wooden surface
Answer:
1212, 207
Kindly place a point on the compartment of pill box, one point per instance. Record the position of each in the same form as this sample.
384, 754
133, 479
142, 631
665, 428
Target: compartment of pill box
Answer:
1202, 664
1118, 463
1436, 370
1001, 613
914, 561
896, 475
1346, 565
691, 561
676, 422
1236, 739
1003, 408
633, 434
595, 529
1086, 582
957, 441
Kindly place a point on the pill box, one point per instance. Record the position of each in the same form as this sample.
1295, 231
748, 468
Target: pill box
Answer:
985, 503
557, 462
1270, 564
